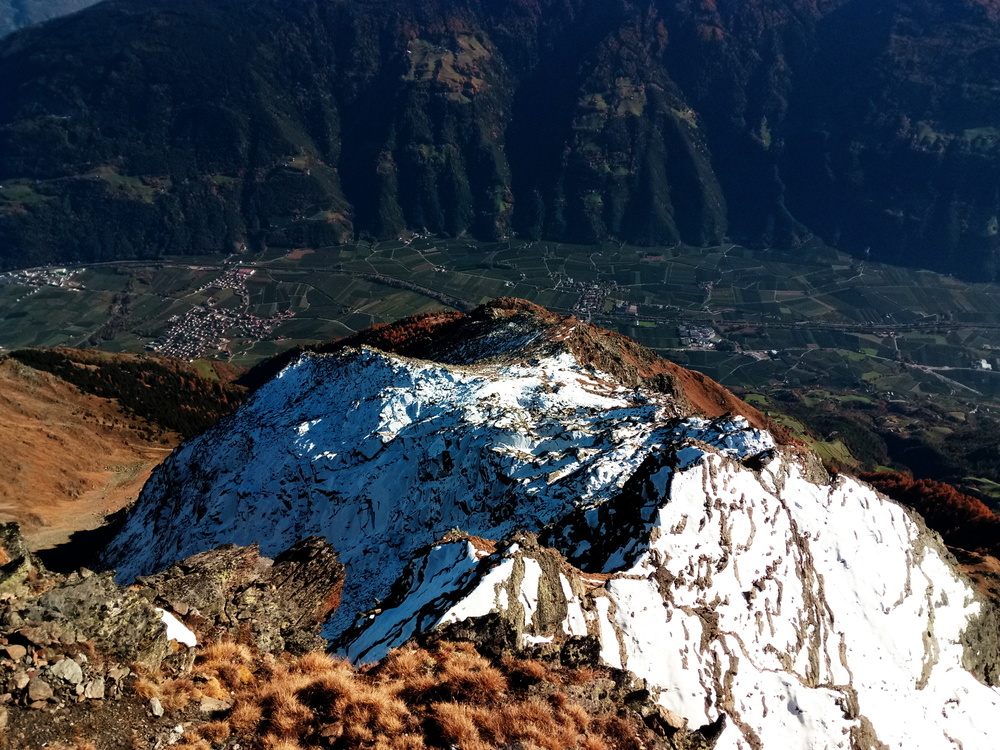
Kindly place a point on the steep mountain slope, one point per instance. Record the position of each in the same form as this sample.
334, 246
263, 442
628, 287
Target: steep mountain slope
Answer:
206, 126
512, 492
76, 444
68, 458
16, 14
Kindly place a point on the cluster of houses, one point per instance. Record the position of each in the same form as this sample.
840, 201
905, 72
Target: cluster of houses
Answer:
207, 329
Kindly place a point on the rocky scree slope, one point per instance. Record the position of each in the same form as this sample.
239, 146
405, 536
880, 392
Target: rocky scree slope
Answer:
75, 649
515, 490
196, 126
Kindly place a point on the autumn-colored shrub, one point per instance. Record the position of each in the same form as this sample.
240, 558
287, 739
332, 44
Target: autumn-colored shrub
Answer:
146, 688
246, 716
216, 731
961, 520
441, 695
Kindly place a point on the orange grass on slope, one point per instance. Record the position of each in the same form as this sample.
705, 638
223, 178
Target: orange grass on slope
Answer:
435, 697
67, 458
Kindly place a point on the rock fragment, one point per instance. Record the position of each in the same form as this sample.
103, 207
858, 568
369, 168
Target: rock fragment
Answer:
39, 689
68, 670
94, 690
214, 705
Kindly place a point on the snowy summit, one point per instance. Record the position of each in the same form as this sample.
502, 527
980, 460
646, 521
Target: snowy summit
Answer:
516, 465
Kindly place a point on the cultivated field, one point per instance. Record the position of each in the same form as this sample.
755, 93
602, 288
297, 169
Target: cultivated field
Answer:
804, 334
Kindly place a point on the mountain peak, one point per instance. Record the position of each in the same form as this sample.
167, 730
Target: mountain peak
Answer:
561, 488
508, 330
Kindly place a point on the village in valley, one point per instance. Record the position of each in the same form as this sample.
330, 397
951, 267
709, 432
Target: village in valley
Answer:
209, 328
748, 318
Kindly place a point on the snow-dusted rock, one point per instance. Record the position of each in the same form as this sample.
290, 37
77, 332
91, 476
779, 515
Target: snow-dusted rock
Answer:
750, 591
811, 615
383, 455
177, 630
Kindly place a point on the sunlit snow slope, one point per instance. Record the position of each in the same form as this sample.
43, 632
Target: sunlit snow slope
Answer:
728, 571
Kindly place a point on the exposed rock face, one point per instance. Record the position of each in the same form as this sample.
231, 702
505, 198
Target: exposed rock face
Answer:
279, 604
120, 622
760, 602
18, 567
53, 626
77, 637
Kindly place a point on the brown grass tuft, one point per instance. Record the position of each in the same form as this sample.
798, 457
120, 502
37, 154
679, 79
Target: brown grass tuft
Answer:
415, 698
177, 693
591, 742
316, 662
270, 742
576, 714
283, 714
146, 688
246, 716
226, 652
216, 731
404, 663
528, 671
457, 725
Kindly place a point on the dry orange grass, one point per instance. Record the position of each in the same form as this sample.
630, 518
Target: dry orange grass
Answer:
245, 716
414, 699
215, 731
146, 688
195, 744
220, 669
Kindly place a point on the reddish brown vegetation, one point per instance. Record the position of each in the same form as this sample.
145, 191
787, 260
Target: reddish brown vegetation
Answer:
68, 458
404, 336
443, 695
961, 520
164, 391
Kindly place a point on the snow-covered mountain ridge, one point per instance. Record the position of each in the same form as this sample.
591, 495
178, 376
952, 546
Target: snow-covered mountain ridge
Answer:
727, 570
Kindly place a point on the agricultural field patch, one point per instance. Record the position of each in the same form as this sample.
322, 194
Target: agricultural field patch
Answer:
780, 320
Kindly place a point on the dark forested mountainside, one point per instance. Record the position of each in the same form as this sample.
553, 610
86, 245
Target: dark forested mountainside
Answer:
146, 127
17, 14
166, 392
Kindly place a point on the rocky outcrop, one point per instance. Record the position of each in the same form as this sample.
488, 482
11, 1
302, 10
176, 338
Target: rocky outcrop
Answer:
92, 607
278, 605
81, 656
68, 639
529, 490
39, 609
19, 568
